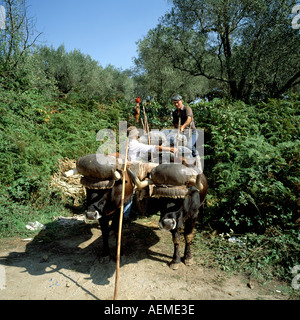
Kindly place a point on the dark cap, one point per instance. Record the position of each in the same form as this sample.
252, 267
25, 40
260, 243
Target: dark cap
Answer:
177, 97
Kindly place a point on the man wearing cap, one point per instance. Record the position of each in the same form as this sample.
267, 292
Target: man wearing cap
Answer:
183, 115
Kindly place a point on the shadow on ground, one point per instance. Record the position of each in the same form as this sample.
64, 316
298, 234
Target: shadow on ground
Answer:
57, 250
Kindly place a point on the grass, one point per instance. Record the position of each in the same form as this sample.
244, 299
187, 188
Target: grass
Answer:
258, 258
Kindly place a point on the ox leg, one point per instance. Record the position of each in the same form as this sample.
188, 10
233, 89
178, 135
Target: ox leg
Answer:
188, 236
174, 264
105, 255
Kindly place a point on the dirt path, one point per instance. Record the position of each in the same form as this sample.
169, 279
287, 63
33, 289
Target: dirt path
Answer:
67, 268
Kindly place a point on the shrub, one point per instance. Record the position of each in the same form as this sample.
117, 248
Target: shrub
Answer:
252, 162
34, 133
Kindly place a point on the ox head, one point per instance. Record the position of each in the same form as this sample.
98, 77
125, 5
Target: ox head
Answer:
189, 208
168, 222
171, 220
96, 200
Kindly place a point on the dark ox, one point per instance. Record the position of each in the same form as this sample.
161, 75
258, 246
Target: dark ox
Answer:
104, 205
103, 183
179, 215
178, 204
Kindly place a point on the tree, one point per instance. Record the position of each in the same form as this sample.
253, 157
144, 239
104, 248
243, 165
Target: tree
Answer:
16, 39
77, 75
154, 72
247, 46
118, 84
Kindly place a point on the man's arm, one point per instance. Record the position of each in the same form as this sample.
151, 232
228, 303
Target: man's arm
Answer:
188, 121
161, 148
189, 114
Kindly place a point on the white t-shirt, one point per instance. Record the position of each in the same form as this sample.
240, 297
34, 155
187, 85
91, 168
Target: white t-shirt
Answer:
136, 150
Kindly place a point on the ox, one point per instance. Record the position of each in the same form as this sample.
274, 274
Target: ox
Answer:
178, 203
103, 185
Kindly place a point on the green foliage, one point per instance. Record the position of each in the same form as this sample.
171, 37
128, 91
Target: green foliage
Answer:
34, 133
54, 102
264, 257
252, 157
252, 164
159, 117
246, 49
155, 75
78, 76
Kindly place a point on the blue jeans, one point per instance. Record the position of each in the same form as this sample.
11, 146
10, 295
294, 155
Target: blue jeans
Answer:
192, 143
127, 208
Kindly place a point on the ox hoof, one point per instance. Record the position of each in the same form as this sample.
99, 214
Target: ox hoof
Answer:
173, 265
105, 260
189, 262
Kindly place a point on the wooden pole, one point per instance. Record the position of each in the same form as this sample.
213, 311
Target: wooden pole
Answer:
147, 126
120, 225
148, 130
143, 125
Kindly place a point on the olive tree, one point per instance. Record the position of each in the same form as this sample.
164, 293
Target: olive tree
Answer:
246, 48
155, 74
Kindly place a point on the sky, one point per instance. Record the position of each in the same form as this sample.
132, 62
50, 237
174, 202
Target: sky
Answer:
107, 30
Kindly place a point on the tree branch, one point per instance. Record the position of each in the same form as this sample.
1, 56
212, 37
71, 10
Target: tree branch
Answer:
290, 83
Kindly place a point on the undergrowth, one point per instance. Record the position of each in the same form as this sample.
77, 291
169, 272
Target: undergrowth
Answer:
251, 162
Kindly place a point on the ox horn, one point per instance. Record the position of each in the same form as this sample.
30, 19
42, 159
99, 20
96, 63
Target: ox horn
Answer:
117, 176
198, 184
136, 180
70, 173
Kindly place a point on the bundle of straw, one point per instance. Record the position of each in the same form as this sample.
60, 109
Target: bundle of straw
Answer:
70, 187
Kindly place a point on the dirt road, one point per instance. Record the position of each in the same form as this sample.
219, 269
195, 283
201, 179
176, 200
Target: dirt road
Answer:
64, 265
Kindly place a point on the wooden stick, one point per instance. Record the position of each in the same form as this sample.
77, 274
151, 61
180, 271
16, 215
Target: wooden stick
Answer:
147, 126
120, 225
143, 125
148, 130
